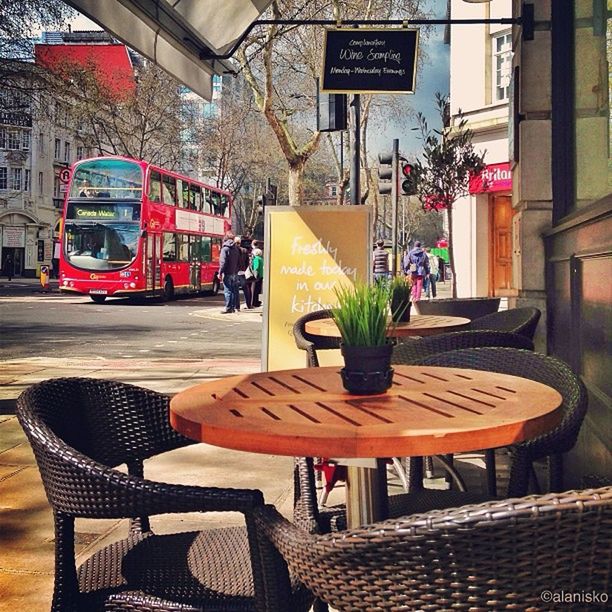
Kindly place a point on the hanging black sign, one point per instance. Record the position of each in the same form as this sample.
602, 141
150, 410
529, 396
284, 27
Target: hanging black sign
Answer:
370, 61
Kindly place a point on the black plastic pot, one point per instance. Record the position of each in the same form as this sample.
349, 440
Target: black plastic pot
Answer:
470, 308
367, 369
403, 308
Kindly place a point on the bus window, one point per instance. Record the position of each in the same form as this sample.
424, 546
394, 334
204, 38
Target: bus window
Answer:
207, 202
185, 203
155, 187
195, 248
182, 242
169, 190
205, 254
215, 249
216, 202
196, 197
107, 177
169, 247
225, 211
179, 193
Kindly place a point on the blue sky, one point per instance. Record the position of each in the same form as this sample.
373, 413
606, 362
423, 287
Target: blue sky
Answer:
435, 76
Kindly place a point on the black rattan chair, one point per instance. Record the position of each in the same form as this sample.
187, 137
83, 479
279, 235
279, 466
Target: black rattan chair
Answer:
548, 370
517, 554
80, 429
522, 321
312, 343
414, 351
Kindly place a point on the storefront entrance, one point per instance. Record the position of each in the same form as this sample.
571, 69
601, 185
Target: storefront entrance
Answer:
12, 261
500, 216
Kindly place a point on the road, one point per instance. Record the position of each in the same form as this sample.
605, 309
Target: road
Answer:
56, 325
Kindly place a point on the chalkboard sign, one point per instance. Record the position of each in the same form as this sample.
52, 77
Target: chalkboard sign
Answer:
370, 61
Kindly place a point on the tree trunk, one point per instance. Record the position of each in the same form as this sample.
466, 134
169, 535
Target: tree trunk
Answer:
451, 249
296, 184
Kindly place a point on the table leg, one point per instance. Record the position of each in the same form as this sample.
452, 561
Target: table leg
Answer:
366, 494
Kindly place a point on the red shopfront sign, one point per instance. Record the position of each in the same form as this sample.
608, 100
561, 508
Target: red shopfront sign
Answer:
495, 177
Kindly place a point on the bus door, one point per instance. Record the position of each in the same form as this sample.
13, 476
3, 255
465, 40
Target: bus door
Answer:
154, 255
195, 276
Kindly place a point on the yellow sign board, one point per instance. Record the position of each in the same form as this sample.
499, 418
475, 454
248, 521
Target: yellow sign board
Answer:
309, 251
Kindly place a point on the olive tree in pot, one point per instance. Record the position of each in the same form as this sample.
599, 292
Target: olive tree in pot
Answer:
362, 316
449, 161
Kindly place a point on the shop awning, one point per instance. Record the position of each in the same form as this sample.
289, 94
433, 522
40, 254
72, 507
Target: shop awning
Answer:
177, 35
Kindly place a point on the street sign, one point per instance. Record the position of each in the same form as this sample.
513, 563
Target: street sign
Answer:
64, 175
379, 60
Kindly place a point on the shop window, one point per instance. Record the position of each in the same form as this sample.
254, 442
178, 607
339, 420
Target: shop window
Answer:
502, 66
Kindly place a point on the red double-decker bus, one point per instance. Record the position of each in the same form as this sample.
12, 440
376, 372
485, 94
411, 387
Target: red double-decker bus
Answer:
134, 229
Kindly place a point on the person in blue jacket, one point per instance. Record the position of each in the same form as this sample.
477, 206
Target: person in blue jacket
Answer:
416, 263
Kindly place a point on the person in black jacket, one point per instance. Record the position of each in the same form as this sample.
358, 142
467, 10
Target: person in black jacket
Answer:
229, 261
243, 266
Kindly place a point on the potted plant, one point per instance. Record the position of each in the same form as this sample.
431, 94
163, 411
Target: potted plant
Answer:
362, 316
400, 289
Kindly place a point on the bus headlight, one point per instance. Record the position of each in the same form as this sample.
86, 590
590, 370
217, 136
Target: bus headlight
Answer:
132, 285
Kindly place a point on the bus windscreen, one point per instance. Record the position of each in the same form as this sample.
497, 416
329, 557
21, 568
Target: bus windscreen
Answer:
107, 178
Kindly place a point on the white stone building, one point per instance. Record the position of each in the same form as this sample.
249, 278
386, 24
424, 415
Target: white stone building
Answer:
480, 71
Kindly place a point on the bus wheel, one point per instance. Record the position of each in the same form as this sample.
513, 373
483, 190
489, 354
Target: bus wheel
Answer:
168, 289
98, 299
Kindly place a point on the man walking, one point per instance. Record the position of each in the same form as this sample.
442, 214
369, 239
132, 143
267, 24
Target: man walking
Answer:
229, 261
429, 286
380, 263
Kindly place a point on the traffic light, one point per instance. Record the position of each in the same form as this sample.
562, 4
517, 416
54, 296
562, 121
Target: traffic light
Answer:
409, 180
385, 173
261, 204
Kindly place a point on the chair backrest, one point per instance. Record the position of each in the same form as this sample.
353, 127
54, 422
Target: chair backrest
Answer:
522, 321
492, 556
312, 343
414, 351
469, 308
76, 424
535, 366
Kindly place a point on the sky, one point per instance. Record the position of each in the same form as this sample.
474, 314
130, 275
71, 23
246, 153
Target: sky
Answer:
433, 77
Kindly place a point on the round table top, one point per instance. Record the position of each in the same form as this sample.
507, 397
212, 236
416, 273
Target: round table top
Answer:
307, 412
419, 325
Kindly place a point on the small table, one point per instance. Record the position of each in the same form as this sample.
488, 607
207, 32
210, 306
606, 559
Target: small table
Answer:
419, 325
307, 412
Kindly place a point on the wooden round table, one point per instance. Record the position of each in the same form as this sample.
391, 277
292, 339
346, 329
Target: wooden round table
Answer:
307, 412
419, 325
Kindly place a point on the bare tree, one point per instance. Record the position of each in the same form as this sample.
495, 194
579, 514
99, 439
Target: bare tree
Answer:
448, 162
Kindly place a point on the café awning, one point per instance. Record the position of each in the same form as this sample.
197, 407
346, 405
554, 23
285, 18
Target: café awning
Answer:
177, 35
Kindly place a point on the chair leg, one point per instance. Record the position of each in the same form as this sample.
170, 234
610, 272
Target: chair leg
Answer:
555, 473
429, 471
534, 478
491, 472
414, 473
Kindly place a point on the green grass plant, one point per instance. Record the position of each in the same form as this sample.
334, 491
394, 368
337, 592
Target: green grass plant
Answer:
362, 315
399, 295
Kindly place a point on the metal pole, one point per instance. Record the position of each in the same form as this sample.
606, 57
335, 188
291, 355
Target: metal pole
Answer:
394, 202
355, 150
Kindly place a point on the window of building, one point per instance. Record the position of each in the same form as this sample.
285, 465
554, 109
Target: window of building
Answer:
41, 183
27, 180
16, 179
3, 178
79, 153
58, 149
26, 140
56, 187
502, 65
41, 143
2, 138
13, 140
67, 152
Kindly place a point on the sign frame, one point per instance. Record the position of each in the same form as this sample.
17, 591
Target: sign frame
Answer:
357, 90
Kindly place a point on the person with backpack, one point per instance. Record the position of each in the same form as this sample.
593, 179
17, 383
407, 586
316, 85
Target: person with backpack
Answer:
416, 264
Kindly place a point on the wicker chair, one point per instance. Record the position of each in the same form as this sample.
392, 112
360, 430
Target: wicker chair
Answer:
522, 321
414, 351
78, 429
503, 555
310, 342
548, 370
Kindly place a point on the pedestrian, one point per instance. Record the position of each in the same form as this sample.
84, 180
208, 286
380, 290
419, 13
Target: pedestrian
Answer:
429, 286
380, 263
243, 265
9, 266
416, 264
229, 259
257, 265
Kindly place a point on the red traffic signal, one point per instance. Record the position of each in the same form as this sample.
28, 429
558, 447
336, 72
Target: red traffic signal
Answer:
409, 185
407, 169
